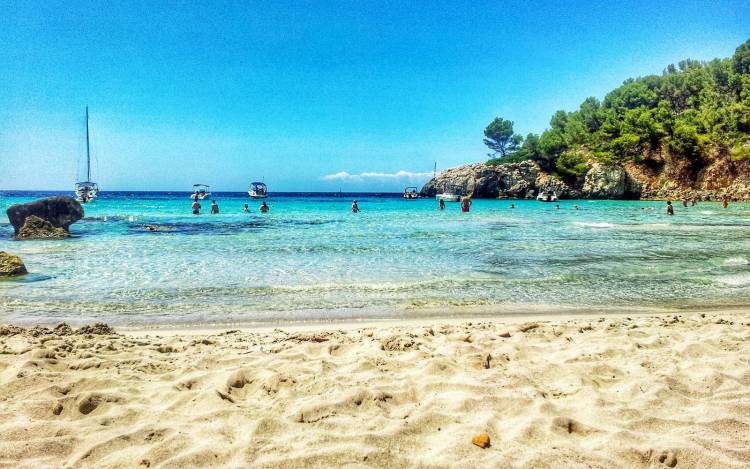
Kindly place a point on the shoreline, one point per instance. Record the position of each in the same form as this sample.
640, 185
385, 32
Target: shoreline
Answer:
594, 390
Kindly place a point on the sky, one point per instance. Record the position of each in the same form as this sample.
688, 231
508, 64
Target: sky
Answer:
313, 96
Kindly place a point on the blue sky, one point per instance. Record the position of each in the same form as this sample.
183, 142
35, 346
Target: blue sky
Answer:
357, 95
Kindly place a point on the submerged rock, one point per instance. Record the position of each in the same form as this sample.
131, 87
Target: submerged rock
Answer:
11, 265
51, 217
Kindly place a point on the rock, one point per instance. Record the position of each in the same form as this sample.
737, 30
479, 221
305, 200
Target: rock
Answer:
516, 180
482, 440
11, 265
58, 212
36, 228
610, 181
98, 328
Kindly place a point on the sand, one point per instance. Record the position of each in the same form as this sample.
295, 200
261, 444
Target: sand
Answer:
644, 391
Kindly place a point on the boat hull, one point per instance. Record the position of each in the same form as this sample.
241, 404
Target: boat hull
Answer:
448, 197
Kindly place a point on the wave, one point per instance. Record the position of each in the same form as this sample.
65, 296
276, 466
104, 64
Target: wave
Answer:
738, 280
734, 261
593, 224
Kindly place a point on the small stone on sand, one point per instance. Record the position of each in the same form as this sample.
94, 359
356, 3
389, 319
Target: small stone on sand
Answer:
482, 440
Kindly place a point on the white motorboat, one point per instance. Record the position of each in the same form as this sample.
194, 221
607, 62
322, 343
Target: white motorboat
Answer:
547, 196
86, 191
201, 191
449, 194
258, 190
410, 193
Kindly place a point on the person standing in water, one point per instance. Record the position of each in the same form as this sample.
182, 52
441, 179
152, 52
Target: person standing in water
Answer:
466, 204
264, 208
247, 209
196, 207
355, 207
441, 204
670, 209
214, 208
724, 201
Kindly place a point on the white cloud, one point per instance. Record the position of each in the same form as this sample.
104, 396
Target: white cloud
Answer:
345, 176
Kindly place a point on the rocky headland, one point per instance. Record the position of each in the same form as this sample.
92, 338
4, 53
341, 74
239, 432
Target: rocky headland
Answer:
602, 181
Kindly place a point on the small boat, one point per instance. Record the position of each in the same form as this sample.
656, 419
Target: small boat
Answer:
258, 190
86, 191
410, 193
449, 194
547, 196
201, 191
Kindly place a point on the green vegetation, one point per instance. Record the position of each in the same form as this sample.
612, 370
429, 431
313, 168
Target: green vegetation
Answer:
688, 112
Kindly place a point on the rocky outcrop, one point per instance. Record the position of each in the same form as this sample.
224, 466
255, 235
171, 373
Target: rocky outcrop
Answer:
44, 218
517, 180
657, 177
11, 265
610, 181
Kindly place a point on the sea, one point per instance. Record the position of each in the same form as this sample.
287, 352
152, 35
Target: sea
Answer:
141, 259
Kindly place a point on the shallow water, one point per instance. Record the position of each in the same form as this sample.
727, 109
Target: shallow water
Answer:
311, 259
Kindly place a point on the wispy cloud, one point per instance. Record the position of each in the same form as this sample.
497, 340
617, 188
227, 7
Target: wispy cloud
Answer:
345, 176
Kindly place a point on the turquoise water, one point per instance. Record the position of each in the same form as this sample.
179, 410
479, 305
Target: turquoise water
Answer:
310, 258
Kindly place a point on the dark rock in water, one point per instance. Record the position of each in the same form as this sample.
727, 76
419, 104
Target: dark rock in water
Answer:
57, 213
11, 265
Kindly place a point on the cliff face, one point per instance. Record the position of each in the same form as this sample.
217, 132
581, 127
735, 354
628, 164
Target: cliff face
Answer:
653, 180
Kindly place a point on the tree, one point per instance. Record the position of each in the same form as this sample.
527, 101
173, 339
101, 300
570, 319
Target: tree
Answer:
741, 59
500, 138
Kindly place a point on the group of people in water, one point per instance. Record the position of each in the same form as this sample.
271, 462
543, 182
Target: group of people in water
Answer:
693, 201
465, 205
264, 208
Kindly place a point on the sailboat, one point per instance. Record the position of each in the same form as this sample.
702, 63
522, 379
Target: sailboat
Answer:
86, 191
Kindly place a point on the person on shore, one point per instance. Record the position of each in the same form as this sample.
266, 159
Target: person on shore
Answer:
724, 201
670, 209
441, 204
264, 208
466, 204
355, 207
196, 207
246, 209
214, 208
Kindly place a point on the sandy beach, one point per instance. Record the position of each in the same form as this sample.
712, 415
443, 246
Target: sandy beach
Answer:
639, 391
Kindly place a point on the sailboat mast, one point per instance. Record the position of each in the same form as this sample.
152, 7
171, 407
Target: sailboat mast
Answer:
88, 153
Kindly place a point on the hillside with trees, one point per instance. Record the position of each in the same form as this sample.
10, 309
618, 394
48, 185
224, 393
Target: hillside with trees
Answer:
687, 129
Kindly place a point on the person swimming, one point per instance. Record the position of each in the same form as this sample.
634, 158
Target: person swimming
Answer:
264, 208
355, 207
441, 204
670, 209
196, 207
214, 208
246, 209
557, 206
512, 205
